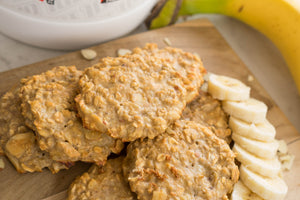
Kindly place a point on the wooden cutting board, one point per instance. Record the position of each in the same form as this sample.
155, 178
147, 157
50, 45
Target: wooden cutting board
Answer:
198, 36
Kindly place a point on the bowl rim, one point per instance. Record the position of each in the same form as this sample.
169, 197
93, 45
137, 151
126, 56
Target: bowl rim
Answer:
80, 23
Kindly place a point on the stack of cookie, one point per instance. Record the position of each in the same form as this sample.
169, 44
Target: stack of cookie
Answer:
178, 137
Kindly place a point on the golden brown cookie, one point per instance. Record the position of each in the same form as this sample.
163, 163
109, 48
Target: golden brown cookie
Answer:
18, 141
208, 111
186, 162
48, 102
188, 65
102, 183
132, 97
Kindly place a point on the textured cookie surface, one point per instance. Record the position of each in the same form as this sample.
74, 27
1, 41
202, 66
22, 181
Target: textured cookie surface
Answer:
48, 102
18, 141
102, 183
131, 97
208, 111
186, 162
188, 65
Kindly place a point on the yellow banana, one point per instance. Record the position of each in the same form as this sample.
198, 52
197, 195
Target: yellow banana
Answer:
279, 20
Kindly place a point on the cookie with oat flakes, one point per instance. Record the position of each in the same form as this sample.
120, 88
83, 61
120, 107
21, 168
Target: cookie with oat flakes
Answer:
208, 111
186, 162
131, 97
106, 182
48, 103
18, 142
188, 65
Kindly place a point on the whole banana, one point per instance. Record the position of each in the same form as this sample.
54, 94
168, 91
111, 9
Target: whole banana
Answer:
279, 20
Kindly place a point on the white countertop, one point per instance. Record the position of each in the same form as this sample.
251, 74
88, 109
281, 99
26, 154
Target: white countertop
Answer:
256, 51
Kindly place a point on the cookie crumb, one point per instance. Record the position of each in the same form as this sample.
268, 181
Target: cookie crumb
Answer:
288, 163
167, 41
88, 54
206, 76
282, 148
250, 78
204, 87
122, 52
286, 159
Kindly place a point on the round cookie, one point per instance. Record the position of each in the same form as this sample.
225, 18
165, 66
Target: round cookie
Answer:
18, 142
186, 162
208, 111
105, 183
133, 97
48, 102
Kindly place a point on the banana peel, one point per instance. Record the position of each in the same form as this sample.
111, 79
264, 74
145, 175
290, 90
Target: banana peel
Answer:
277, 19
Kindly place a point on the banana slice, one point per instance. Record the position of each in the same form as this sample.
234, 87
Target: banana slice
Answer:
261, 131
265, 167
268, 188
241, 192
226, 88
260, 149
250, 110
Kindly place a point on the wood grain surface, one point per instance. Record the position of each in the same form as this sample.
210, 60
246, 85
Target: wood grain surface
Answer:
198, 36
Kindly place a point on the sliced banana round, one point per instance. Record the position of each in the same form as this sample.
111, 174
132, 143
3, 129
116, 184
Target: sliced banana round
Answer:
268, 188
226, 88
263, 131
265, 167
260, 149
241, 192
250, 110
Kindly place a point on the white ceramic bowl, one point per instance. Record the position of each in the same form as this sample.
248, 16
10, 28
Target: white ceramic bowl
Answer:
69, 35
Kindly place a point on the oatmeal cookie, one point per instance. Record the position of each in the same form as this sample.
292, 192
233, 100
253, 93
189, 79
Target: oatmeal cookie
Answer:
48, 104
18, 142
133, 97
208, 111
105, 183
186, 162
188, 65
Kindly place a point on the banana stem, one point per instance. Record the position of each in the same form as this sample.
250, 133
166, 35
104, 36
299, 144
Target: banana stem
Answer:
165, 16
190, 7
